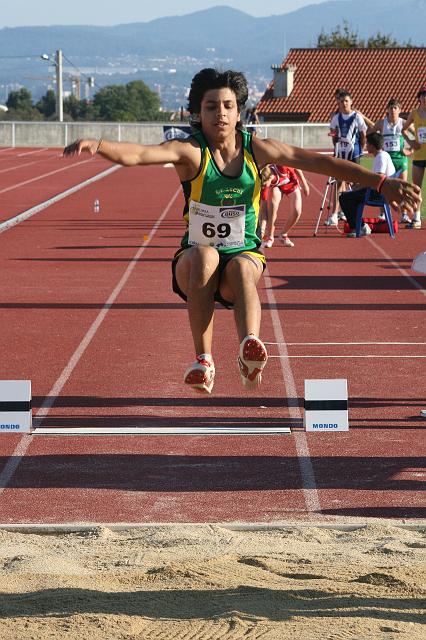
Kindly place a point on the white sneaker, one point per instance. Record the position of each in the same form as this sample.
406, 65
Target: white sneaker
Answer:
200, 375
251, 361
286, 241
414, 224
405, 219
382, 216
332, 220
341, 216
268, 242
365, 231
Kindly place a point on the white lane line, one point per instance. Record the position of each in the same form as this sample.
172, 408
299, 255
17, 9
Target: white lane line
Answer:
6, 149
7, 224
402, 271
29, 153
21, 449
309, 489
43, 175
21, 166
346, 344
347, 356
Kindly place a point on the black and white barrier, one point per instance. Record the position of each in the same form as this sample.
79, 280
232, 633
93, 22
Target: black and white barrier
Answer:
15, 406
326, 405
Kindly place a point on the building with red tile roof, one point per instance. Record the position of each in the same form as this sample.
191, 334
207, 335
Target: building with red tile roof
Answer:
304, 84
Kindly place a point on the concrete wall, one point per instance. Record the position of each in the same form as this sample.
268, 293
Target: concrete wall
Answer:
59, 134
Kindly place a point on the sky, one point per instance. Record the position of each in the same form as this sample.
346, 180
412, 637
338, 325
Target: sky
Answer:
22, 13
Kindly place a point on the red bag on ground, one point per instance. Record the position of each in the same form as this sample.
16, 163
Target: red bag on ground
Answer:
376, 225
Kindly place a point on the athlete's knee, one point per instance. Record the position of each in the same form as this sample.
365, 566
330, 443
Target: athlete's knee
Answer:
244, 267
203, 264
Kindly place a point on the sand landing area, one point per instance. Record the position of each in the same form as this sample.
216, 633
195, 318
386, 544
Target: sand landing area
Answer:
203, 582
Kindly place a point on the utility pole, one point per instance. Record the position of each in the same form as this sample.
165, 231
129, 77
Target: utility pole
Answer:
59, 87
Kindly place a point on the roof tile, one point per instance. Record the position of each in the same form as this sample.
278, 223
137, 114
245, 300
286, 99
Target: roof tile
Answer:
372, 77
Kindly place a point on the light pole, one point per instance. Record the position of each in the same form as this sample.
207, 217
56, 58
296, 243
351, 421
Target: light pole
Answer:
59, 83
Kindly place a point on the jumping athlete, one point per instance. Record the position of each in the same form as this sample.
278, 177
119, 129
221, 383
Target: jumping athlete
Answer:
219, 168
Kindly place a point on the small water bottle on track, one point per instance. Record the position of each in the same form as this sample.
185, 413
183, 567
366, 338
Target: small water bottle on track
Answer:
96, 206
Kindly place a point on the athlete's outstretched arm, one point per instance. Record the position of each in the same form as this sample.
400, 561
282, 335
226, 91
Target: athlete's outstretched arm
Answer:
127, 153
397, 192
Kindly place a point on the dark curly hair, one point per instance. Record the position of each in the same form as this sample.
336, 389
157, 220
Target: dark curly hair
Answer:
207, 79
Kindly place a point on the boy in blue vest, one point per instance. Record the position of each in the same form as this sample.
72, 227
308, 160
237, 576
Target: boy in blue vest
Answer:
348, 129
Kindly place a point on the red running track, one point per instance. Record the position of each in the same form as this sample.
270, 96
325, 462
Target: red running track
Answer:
120, 363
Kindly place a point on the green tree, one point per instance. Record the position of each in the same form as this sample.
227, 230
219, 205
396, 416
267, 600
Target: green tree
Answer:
47, 104
133, 102
342, 37
381, 41
20, 100
20, 105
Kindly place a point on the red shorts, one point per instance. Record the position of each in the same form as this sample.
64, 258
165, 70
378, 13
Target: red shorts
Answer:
264, 193
289, 187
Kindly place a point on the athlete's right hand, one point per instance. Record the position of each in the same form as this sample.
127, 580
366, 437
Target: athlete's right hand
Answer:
77, 147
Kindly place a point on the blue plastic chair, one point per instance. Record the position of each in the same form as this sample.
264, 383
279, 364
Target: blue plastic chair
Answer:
374, 199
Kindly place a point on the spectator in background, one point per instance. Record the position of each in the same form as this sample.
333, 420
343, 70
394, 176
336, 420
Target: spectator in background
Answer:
348, 129
253, 119
391, 127
418, 118
383, 165
285, 181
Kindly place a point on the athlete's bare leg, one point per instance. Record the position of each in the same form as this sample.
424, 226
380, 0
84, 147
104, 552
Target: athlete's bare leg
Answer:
239, 286
417, 175
273, 206
295, 200
197, 276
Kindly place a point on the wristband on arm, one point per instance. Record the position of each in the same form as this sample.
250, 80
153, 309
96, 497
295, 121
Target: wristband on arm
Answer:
99, 145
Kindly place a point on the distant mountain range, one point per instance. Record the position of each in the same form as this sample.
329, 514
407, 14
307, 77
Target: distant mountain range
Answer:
220, 36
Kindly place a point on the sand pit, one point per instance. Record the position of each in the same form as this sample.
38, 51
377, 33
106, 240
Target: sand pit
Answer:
211, 582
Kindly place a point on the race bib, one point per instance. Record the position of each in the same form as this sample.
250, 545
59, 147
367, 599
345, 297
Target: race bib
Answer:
392, 144
422, 135
345, 148
216, 226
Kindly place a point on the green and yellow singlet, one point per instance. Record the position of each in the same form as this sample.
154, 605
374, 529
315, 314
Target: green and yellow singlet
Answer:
222, 211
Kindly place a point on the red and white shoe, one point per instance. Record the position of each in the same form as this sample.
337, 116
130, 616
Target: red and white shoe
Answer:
200, 375
251, 361
286, 241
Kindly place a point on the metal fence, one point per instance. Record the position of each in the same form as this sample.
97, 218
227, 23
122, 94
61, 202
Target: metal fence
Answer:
59, 134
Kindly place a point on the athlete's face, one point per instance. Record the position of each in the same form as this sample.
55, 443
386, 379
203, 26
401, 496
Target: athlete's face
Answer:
393, 112
219, 112
345, 104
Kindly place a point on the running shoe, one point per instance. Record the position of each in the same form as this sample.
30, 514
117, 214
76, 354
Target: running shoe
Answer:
423, 413
365, 231
332, 221
405, 219
269, 241
286, 241
251, 361
200, 375
414, 224
341, 216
